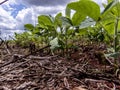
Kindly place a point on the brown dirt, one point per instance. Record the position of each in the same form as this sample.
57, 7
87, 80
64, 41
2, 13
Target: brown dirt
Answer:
84, 70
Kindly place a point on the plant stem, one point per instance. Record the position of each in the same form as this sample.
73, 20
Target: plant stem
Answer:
66, 41
115, 35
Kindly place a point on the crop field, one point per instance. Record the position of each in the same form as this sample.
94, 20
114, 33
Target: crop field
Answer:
76, 51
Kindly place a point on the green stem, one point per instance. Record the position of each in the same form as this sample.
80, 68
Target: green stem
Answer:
66, 41
106, 32
115, 35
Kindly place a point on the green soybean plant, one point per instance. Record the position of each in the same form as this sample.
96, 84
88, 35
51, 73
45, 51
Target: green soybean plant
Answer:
91, 24
85, 18
111, 22
78, 23
107, 21
23, 39
45, 28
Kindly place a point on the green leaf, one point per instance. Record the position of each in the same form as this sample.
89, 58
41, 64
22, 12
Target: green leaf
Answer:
110, 6
87, 7
29, 27
58, 20
87, 23
54, 43
67, 12
108, 21
113, 7
82, 32
110, 28
78, 18
45, 20
66, 21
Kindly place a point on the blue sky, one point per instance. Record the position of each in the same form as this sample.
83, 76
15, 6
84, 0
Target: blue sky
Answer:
15, 13
17, 8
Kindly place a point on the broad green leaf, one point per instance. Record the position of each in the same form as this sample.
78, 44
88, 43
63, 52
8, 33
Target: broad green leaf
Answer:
54, 43
113, 7
87, 23
36, 31
87, 7
66, 21
58, 20
78, 18
108, 23
110, 28
82, 32
68, 12
44, 20
41, 26
108, 18
29, 27
109, 6
118, 8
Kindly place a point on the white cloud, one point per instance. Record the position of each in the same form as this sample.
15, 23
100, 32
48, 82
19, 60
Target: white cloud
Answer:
45, 2
28, 14
23, 17
7, 21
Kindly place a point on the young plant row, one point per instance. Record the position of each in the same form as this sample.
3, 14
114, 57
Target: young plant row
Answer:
82, 19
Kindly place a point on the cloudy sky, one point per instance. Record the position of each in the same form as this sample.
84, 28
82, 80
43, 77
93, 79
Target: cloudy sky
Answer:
15, 13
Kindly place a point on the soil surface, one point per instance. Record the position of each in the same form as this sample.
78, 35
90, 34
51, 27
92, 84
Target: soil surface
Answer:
85, 69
